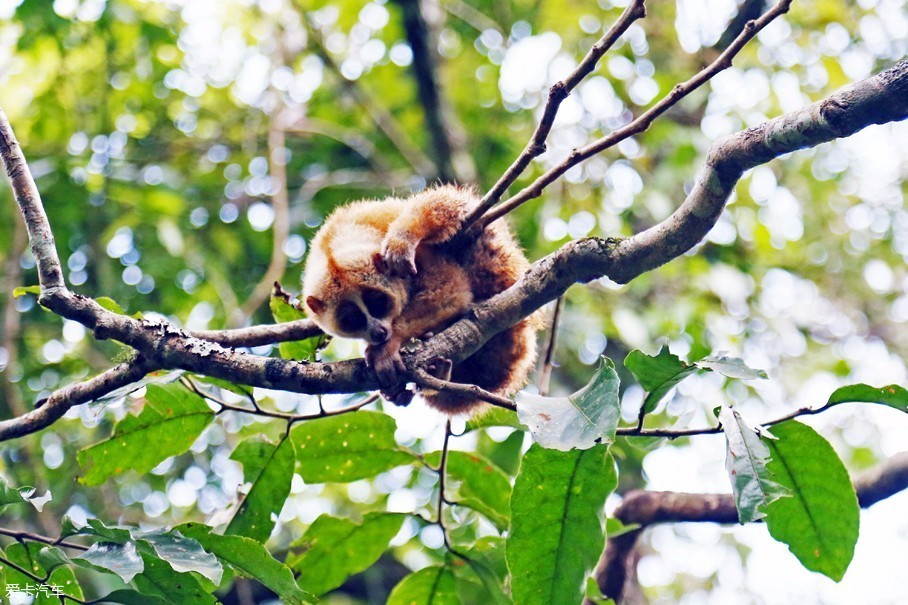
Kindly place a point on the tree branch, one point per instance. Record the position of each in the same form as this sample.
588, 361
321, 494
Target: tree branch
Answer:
448, 147
723, 62
879, 99
646, 508
557, 93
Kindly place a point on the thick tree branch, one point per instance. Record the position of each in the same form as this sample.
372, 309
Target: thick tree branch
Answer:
645, 508
882, 98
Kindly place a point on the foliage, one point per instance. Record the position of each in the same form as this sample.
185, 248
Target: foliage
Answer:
150, 131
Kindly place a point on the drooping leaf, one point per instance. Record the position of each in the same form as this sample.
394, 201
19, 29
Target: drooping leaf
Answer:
746, 457
121, 559
892, 395
657, 374
476, 483
160, 580
22, 495
348, 447
23, 290
819, 522
172, 419
252, 560
269, 468
582, 420
283, 310
556, 534
429, 586
184, 554
334, 549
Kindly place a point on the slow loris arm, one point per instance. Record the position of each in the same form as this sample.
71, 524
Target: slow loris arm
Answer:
433, 216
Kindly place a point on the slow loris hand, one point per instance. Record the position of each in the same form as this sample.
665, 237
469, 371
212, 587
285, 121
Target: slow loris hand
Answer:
399, 256
386, 362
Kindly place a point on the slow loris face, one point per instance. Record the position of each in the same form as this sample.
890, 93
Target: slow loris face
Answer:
366, 314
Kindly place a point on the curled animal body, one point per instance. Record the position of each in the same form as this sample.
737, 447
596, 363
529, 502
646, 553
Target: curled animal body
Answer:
379, 270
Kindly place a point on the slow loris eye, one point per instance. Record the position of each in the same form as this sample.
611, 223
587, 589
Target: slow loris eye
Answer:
377, 303
350, 318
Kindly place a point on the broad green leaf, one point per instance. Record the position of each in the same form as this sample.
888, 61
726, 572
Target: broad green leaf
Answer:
731, 367
348, 447
269, 468
160, 580
429, 586
582, 420
121, 559
172, 419
283, 310
334, 549
476, 483
493, 416
893, 395
819, 522
657, 374
22, 495
184, 554
556, 533
252, 560
51, 557
62, 579
746, 457
96, 527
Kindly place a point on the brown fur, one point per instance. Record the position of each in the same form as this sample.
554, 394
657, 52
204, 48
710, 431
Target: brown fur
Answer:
378, 245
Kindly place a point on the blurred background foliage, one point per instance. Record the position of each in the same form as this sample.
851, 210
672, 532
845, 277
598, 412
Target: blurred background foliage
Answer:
147, 125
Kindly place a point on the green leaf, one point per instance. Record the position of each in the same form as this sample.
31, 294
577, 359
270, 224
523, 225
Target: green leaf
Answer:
476, 483
22, 495
893, 395
111, 305
819, 522
161, 581
172, 419
23, 290
269, 468
348, 447
582, 420
251, 559
283, 310
493, 416
334, 549
121, 559
657, 374
429, 586
556, 534
27, 557
746, 458
731, 367
184, 554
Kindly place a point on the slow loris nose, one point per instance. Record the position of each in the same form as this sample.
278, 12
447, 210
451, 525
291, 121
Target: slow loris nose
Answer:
378, 333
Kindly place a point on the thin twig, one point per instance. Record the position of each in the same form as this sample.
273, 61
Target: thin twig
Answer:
256, 336
25, 535
723, 62
470, 391
557, 93
548, 361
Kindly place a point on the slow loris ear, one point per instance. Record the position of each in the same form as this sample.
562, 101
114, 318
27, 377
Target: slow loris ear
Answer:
316, 304
379, 262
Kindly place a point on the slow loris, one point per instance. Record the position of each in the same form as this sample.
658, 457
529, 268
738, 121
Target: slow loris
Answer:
376, 271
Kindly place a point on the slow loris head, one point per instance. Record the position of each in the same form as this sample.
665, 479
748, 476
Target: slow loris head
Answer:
345, 289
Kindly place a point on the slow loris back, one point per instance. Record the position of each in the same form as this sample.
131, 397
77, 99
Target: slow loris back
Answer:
376, 271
